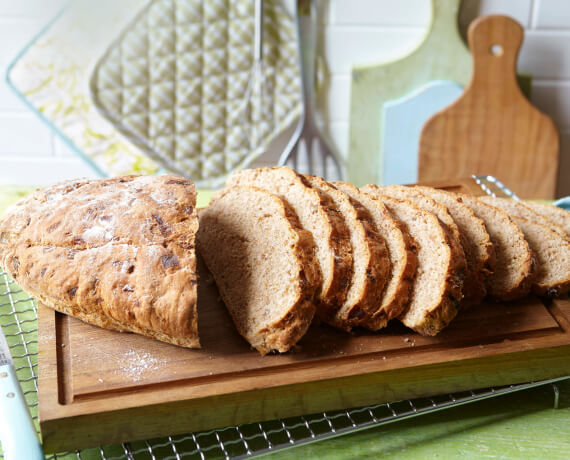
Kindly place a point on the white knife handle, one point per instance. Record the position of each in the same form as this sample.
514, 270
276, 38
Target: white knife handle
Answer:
17, 432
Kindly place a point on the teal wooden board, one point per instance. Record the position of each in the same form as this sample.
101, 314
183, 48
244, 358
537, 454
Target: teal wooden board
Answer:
402, 122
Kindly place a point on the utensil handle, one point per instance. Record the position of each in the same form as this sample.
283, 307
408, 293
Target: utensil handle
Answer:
17, 432
307, 36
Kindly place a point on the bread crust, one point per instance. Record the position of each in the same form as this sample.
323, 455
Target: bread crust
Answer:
282, 334
117, 253
332, 292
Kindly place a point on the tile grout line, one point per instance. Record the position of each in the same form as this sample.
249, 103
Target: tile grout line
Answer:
533, 20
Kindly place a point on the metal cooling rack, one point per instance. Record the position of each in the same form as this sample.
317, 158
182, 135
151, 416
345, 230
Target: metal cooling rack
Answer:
18, 317
494, 187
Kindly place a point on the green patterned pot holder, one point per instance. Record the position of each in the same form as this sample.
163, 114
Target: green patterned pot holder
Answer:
181, 84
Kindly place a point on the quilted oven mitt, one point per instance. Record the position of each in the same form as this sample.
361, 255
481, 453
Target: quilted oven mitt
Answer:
181, 84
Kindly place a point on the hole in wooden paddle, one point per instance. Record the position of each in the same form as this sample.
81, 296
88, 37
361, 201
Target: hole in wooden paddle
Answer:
496, 50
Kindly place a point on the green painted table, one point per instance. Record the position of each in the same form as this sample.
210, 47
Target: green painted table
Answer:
522, 425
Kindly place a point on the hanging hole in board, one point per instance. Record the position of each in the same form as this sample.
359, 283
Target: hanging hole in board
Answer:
496, 50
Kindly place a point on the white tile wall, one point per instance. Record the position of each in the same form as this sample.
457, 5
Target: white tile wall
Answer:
353, 32
392, 13
546, 54
551, 14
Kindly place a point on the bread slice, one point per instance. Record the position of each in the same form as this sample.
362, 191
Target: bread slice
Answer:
554, 214
517, 208
318, 214
514, 267
369, 255
552, 252
117, 253
402, 253
263, 264
427, 204
437, 287
475, 240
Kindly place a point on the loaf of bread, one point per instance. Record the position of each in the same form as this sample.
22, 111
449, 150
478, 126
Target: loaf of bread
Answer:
117, 253
283, 249
263, 263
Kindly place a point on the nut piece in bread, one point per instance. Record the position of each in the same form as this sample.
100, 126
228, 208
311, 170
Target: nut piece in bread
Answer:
117, 253
263, 263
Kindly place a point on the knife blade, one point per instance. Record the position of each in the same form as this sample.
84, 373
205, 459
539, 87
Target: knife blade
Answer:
17, 432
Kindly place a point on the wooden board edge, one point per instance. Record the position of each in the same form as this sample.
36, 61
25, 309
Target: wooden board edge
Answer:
468, 183
145, 422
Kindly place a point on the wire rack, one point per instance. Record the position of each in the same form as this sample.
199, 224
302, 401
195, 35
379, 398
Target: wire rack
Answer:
18, 318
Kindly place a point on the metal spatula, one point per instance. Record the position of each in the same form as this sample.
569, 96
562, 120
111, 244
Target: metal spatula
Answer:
308, 151
17, 432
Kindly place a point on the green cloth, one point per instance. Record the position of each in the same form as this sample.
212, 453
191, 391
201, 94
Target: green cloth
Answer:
519, 426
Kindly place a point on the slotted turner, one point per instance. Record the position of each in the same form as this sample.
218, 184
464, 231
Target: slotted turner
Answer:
308, 151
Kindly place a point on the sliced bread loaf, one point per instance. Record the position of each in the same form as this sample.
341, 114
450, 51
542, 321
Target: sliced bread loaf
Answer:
517, 208
554, 214
369, 255
263, 264
317, 213
436, 289
402, 252
514, 266
552, 253
476, 242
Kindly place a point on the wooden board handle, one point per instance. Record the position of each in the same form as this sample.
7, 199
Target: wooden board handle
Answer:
495, 42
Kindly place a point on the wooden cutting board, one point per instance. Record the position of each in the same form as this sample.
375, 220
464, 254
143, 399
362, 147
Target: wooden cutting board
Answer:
492, 128
100, 387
